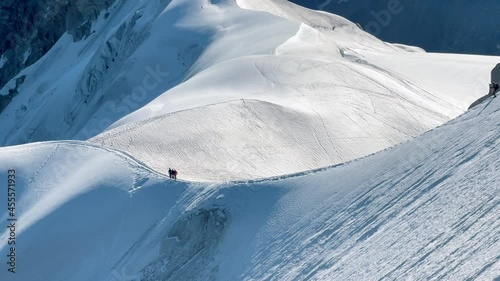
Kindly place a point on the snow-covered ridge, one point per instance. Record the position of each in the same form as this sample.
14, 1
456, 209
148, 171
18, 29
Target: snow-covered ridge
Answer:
149, 59
226, 94
351, 93
334, 95
101, 79
248, 139
425, 209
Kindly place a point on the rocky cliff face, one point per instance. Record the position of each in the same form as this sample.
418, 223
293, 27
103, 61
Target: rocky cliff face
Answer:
29, 29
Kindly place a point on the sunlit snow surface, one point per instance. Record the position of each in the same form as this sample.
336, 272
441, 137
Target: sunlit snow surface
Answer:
261, 97
327, 94
427, 209
228, 87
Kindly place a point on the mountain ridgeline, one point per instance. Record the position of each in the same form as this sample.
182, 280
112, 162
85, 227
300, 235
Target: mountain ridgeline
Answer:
457, 26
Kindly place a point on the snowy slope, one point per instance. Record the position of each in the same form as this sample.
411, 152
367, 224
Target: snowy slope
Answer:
142, 49
329, 94
328, 91
427, 209
134, 54
244, 139
234, 91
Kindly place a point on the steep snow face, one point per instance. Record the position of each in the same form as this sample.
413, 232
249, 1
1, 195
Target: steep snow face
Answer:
135, 52
427, 209
44, 190
61, 183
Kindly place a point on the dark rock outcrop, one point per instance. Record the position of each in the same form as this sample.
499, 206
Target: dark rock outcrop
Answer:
189, 246
29, 29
